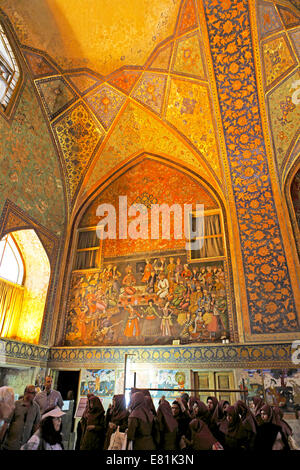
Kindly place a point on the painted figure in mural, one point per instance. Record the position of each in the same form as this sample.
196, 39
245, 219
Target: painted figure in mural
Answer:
151, 325
195, 292
194, 277
178, 269
132, 327
162, 265
179, 292
166, 321
147, 271
151, 282
129, 281
170, 271
186, 273
162, 286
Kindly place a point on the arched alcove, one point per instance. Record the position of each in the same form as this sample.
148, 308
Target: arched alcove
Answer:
22, 315
111, 299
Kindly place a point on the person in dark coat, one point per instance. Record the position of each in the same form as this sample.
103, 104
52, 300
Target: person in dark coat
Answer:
116, 416
269, 432
180, 415
140, 424
201, 411
219, 421
212, 404
248, 422
93, 426
201, 437
191, 402
168, 427
236, 436
80, 425
258, 404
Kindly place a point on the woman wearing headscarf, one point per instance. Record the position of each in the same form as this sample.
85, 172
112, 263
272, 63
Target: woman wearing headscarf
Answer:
93, 426
201, 411
168, 427
236, 436
212, 404
258, 404
201, 437
140, 424
269, 435
117, 416
191, 402
80, 425
248, 421
219, 421
48, 436
180, 415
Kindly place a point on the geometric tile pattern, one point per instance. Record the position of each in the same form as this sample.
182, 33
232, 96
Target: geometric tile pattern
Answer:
106, 103
188, 58
230, 355
188, 19
295, 37
125, 80
38, 65
188, 109
289, 18
83, 82
284, 112
150, 91
268, 19
277, 59
56, 95
162, 59
272, 306
78, 138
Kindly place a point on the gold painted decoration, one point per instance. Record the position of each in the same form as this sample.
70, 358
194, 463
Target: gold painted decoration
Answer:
56, 95
288, 16
138, 131
162, 59
39, 65
83, 82
284, 114
268, 18
189, 110
78, 137
278, 59
106, 103
150, 91
188, 59
188, 19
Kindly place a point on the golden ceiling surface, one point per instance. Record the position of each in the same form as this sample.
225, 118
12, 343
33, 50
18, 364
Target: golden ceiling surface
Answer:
102, 35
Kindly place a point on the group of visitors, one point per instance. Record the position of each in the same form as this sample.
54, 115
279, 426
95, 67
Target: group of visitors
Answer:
34, 422
187, 423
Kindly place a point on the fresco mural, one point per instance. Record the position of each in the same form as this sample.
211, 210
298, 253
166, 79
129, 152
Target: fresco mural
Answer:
148, 301
99, 382
169, 379
279, 387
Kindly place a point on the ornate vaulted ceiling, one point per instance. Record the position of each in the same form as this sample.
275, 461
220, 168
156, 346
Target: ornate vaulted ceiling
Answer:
117, 79
212, 85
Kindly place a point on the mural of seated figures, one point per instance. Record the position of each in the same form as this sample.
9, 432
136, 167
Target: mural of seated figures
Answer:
147, 295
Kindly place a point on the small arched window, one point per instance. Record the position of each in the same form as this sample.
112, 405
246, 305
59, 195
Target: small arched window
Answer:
11, 263
9, 70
